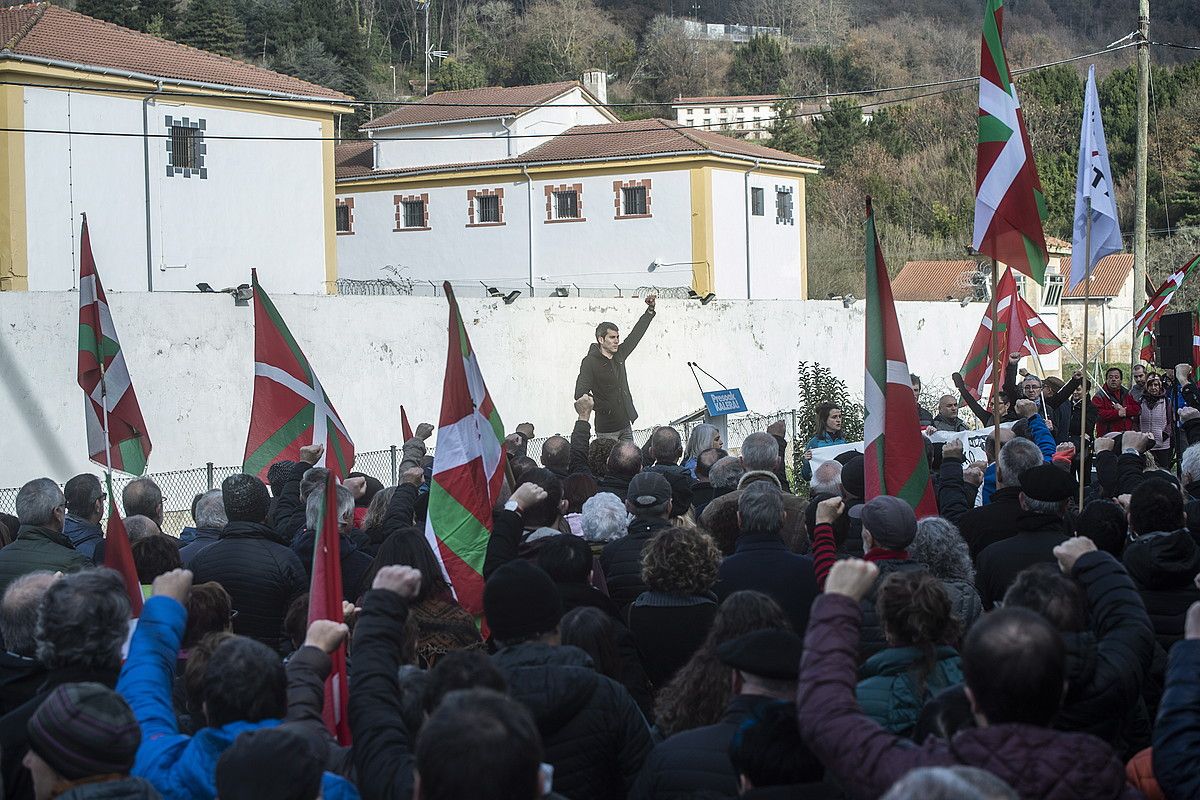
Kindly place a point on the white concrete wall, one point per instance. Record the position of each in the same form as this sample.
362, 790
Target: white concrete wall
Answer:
190, 356
424, 145
598, 252
774, 247
261, 205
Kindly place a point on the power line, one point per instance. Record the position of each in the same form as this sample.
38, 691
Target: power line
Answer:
633, 104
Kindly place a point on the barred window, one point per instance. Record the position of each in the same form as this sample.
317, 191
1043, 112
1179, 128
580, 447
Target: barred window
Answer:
566, 205
184, 147
783, 206
757, 204
343, 219
633, 199
414, 214
487, 208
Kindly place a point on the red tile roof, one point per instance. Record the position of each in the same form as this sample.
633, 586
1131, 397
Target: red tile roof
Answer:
933, 280
352, 159
633, 139
488, 103
1054, 244
52, 32
1108, 278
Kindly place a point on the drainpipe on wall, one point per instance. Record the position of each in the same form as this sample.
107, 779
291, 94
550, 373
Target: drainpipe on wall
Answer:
746, 200
146, 166
508, 142
529, 213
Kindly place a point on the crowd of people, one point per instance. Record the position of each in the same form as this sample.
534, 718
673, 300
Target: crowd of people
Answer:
660, 621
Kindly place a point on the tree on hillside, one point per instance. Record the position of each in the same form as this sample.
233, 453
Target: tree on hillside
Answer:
561, 38
758, 66
839, 130
455, 74
790, 133
677, 65
118, 12
309, 61
212, 25
1185, 204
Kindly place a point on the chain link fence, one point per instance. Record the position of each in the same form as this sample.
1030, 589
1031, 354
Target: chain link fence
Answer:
180, 487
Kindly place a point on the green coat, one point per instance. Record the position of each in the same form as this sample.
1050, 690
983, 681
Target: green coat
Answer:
37, 548
887, 690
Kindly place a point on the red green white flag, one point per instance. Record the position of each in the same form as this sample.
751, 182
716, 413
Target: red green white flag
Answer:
116, 433
325, 602
1020, 328
1009, 205
1156, 306
290, 409
468, 468
895, 448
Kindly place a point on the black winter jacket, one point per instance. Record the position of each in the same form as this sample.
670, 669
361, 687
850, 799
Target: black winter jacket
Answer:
1177, 730
20, 678
697, 761
594, 734
1162, 566
998, 564
622, 560
127, 788
762, 562
260, 572
606, 379
993, 522
355, 563
288, 511
1107, 664
383, 748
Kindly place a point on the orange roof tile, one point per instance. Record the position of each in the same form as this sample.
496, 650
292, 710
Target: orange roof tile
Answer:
1054, 244
932, 280
488, 103
351, 159
633, 139
1108, 277
52, 32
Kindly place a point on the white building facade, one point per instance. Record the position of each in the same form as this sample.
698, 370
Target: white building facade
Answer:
600, 209
183, 181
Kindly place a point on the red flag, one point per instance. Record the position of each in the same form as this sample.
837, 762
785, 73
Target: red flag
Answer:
118, 555
895, 450
325, 602
405, 428
291, 408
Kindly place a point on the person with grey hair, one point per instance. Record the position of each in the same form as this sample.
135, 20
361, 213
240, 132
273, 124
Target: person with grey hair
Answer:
1045, 492
762, 562
210, 521
142, 496
826, 479
40, 543
82, 624
950, 783
140, 527
605, 519
1189, 471
20, 672
760, 451
725, 475
355, 563
940, 547
997, 519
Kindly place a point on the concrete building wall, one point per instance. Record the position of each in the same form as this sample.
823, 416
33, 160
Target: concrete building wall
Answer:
190, 357
256, 204
598, 251
776, 252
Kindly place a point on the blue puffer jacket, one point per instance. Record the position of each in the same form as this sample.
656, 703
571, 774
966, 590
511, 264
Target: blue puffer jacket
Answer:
181, 767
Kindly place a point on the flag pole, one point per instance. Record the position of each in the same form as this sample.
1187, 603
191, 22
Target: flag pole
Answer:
1087, 302
997, 363
104, 409
1037, 359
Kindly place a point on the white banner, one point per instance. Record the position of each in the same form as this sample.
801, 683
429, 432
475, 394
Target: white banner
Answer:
974, 445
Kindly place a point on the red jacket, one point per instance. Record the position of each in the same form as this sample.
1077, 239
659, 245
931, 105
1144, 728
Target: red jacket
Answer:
1107, 419
1040, 763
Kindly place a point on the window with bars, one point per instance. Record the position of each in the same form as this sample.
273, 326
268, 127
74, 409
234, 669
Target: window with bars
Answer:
487, 208
184, 151
757, 201
566, 205
1052, 295
343, 219
414, 213
783, 205
633, 200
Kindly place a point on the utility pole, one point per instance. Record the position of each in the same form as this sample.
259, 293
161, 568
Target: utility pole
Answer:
1140, 177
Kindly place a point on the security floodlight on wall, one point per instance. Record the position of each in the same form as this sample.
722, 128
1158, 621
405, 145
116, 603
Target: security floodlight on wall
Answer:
561, 291
704, 299
242, 295
204, 288
508, 298
655, 264
848, 301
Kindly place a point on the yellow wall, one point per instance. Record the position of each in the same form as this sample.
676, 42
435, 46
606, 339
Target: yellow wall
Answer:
14, 266
330, 214
702, 230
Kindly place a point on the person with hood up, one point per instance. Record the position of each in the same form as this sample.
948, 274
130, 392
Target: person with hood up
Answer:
602, 375
594, 734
